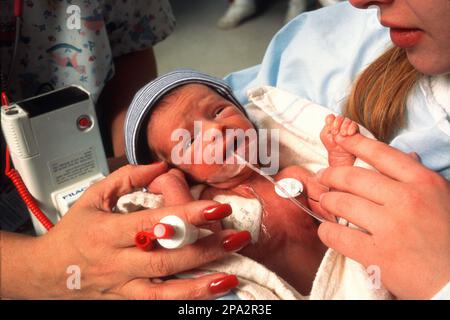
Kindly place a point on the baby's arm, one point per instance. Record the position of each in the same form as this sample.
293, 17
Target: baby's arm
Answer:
334, 126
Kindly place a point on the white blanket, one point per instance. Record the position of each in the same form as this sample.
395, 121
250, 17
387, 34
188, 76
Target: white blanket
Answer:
300, 122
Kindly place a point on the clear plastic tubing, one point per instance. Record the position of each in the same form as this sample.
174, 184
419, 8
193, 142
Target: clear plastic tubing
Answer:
280, 187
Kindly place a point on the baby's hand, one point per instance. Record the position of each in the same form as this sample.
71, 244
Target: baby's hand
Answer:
338, 126
173, 186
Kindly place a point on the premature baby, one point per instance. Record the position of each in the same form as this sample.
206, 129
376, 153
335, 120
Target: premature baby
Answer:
287, 242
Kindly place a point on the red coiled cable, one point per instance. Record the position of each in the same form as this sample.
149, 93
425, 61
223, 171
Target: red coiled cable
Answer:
21, 188
18, 8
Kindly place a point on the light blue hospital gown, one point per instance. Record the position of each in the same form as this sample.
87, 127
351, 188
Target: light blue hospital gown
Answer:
51, 55
319, 54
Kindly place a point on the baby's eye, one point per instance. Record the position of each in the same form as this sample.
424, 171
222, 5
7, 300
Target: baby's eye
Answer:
218, 111
190, 143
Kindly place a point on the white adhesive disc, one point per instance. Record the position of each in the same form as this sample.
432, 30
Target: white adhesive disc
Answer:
291, 185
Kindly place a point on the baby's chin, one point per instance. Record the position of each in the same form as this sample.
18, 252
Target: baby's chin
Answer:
232, 182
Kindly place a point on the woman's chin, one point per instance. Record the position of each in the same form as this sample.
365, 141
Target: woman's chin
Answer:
428, 65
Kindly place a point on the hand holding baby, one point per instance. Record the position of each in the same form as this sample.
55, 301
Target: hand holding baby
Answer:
405, 208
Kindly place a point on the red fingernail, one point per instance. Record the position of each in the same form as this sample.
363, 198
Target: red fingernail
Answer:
163, 231
237, 241
144, 240
217, 212
223, 285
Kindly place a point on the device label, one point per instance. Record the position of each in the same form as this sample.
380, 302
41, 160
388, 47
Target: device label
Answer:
78, 165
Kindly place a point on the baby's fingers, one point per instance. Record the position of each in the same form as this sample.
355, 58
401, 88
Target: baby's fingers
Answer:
173, 187
329, 119
352, 129
345, 127
337, 124
325, 135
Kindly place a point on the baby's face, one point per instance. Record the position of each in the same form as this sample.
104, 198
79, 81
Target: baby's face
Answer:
190, 105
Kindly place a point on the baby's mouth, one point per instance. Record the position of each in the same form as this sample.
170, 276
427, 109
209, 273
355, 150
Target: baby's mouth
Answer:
230, 147
231, 166
225, 173
236, 152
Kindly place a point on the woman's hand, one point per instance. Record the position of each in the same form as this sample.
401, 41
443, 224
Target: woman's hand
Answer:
406, 210
101, 245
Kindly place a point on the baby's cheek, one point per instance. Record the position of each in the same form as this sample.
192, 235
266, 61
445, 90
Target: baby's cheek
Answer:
200, 172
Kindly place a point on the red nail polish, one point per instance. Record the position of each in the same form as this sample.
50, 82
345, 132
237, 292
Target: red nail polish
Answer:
237, 241
163, 231
144, 240
217, 212
223, 285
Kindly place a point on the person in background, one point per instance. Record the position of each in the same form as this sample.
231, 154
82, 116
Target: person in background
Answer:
104, 46
111, 56
240, 10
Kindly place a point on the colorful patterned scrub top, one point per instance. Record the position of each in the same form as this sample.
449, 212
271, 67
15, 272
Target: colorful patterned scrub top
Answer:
66, 42
53, 52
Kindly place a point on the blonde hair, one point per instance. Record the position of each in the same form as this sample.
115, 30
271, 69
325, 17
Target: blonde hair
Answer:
378, 98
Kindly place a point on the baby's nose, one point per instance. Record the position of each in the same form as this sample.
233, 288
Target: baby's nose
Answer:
212, 130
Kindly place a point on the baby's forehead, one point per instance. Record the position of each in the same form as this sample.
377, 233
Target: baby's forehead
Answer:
192, 89
180, 96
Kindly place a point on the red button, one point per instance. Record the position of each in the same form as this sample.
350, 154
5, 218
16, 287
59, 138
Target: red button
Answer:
84, 122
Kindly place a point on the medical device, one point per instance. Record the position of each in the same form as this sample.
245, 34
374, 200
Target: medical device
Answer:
288, 189
175, 233
293, 187
56, 147
171, 232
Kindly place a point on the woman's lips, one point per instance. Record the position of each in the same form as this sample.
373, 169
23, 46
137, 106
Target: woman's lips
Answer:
405, 38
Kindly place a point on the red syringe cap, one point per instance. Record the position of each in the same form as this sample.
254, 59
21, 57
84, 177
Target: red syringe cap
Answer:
144, 240
163, 231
